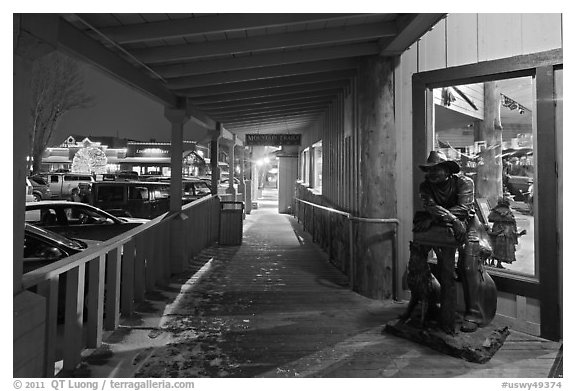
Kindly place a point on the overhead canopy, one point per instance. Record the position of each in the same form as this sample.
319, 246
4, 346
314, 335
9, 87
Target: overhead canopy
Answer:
270, 73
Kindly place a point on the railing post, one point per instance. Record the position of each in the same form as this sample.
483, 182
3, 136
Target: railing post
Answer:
351, 250
74, 316
166, 243
128, 270
330, 226
304, 216
112, 307
49, 289
312, 226
395, 261
149, 270
96, 269
139, 268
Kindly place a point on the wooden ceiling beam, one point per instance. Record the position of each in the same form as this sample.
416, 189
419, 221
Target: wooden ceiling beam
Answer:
330, 36
262, 73
410, 28
298, 89
292, 120
282, 111
259, 60
212, 24
280, 120
270, 100
246, 86
281, 127
270, 106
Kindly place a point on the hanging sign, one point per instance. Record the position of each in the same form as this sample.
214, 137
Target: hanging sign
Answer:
258, 139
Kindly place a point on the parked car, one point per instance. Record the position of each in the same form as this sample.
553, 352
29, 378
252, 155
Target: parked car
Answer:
131, 198
131, 175
106, 177
224, 184
61, 184
29, 191
40, 188
78, 220
43, 247
193, 189
518, 186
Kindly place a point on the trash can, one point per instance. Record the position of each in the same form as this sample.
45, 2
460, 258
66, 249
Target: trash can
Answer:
231, 216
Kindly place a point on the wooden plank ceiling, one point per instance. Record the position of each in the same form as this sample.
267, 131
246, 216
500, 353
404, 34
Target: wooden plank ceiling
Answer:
267, 73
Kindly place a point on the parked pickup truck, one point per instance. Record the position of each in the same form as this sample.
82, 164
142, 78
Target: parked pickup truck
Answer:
61, 184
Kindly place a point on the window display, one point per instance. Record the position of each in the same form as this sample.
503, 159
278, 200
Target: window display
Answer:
488, 128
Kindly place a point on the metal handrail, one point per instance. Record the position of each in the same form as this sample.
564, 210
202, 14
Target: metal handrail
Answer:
352, 218
348, 215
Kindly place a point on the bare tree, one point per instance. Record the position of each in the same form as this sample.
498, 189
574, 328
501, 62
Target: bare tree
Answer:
57, 88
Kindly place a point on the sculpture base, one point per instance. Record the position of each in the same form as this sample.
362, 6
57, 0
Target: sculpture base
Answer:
478, 347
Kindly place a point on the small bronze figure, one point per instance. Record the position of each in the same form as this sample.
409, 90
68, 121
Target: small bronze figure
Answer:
504, 233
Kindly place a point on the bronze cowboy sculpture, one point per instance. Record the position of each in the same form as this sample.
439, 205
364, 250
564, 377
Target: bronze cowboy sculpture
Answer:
448, 224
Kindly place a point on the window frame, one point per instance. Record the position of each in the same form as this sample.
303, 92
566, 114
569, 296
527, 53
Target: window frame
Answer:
305, 169
541, 67
316, 171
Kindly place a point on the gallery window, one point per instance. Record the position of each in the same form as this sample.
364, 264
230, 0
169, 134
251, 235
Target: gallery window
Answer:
488, 128
317, 162
305, 166
502, 121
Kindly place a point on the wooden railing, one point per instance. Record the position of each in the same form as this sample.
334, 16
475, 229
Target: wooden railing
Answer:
308, 220
103, 282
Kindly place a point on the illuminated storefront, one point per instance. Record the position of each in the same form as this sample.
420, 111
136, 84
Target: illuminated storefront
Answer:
146, 158
153, 158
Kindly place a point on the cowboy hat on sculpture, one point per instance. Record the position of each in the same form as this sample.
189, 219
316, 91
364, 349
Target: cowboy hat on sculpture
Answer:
437, 158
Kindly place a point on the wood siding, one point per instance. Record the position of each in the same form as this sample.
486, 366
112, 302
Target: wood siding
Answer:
338, 131
459, 39
470, 39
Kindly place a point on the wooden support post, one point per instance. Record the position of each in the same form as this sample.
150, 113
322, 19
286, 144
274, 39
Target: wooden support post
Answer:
214, 148
378, 176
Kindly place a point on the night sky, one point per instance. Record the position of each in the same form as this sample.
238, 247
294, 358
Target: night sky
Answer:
117, 110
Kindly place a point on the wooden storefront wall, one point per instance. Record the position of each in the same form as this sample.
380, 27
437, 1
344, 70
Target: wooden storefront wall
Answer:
459, 39
467, 39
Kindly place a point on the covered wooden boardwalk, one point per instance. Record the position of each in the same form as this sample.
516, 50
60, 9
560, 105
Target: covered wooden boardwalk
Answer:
275, 307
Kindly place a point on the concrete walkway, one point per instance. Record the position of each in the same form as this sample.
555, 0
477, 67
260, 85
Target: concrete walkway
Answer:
275, 307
